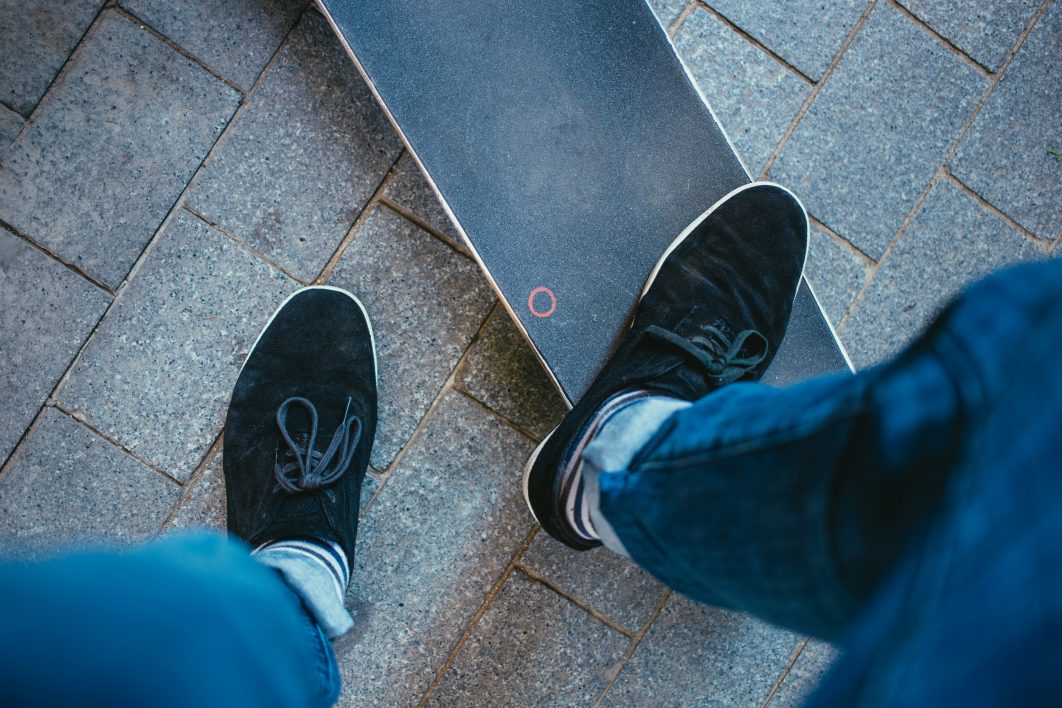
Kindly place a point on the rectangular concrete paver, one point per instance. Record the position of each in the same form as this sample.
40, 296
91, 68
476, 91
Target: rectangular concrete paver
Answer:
409, 192
951, 242
67, 483
35, 40
382, 662
303, 158
1012, 155
611, 584
446, 524
754, 96
532, 648
234, 37
10, 124
879, 129
700, 655
109, 153
159, 372
46, 313
810, 667
502, 372
425, 302
984, 29
836, 274
806, 33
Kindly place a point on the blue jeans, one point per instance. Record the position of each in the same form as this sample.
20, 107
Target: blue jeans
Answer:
912, 512
190, 620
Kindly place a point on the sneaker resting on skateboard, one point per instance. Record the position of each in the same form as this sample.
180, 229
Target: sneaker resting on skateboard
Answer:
301, 423
713, 311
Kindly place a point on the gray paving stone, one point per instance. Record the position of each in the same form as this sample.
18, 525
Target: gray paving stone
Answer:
446, 524
66, 483
985, 29
836, 273
503, 373
1012, 155
410, 192
667, 10
35, 40
806, 33
304, 157
609, 583
10, 124
425, 302
700, 655
159, 372
107, 156
234, 37
755, 97
46, 313
532, 648
382, 662
950, 242
807, 672
879, 129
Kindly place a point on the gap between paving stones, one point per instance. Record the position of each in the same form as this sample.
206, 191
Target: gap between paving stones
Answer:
55, 257
578, 602
374, 201
785, 672
988, 206
59, 75
189, 487
942, 170
421, 223
633, 648
144, 25
842, 241
751, 40
246, 246
948, 44
84, 422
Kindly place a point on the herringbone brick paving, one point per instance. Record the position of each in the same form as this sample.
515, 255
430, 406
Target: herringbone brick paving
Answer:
169, 172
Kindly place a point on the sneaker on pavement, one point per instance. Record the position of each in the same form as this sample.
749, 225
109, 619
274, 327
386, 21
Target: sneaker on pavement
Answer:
713, 311
301, 423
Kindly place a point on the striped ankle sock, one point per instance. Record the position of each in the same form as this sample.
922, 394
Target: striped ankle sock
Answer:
317, 571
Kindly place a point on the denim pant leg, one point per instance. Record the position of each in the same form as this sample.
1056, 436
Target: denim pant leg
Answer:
792, 504
188, 620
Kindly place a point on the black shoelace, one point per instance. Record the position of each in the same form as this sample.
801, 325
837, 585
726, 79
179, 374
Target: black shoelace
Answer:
309, 468
721, 359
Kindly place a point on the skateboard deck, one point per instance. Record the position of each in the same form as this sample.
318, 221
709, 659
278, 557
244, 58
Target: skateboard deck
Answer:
570, 146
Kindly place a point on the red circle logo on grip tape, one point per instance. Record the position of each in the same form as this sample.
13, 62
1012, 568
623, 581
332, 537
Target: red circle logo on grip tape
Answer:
540, 297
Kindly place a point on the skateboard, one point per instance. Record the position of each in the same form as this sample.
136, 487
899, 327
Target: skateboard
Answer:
570, 146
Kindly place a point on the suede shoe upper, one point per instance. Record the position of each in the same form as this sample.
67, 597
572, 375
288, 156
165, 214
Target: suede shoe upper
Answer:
301, 423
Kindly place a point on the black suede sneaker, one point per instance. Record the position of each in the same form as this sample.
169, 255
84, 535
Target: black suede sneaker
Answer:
713, 311
301, 423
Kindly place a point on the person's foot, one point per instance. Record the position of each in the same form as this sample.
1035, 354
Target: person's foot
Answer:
300, 427
713, 311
